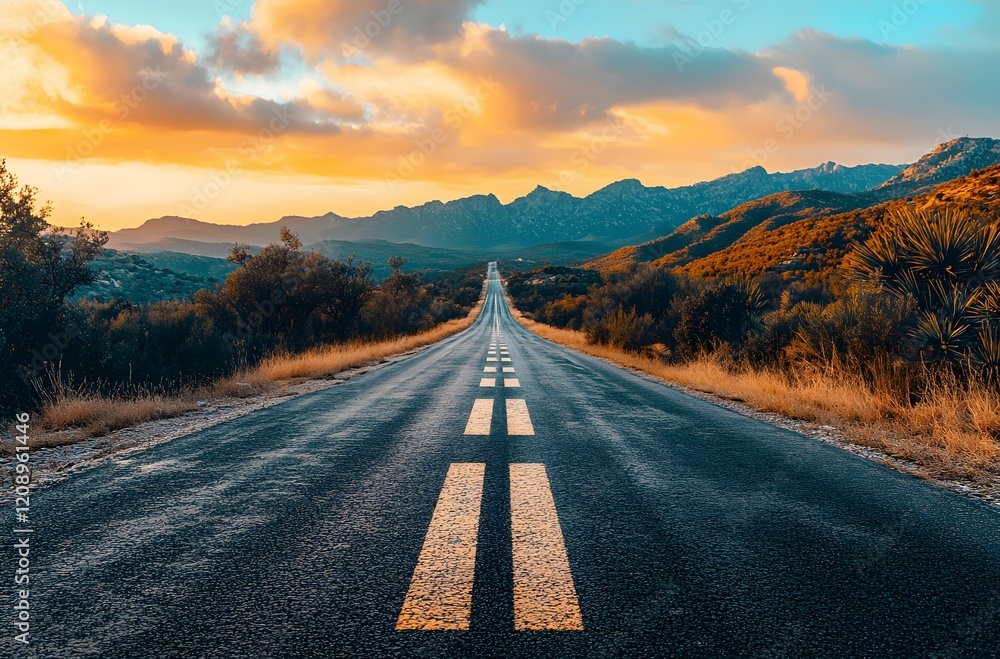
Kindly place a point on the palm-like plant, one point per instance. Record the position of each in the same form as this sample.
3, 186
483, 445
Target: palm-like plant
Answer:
949, 263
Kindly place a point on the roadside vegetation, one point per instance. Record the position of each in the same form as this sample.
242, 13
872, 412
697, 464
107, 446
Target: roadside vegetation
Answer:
899, 346
283, 313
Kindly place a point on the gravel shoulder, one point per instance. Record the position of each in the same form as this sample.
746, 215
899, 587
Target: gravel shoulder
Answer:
55, 464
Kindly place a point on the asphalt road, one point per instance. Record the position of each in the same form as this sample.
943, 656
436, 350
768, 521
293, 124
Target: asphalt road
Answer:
635, 521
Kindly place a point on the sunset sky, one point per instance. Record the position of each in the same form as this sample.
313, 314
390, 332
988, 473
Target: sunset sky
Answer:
235, 111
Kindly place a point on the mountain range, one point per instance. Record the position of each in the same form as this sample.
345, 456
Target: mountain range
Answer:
625, 211
801, 232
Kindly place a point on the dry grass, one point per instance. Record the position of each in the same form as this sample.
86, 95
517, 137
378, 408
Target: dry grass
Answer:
954, 431
99, 415
71, 416
329, 360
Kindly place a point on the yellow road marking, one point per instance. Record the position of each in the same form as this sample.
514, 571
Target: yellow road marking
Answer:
490, 369
544, 593
488, 382
511, 382
440, 593
518, 419
480, 417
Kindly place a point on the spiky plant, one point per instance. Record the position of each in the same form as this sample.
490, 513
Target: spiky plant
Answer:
986, 353
949, 264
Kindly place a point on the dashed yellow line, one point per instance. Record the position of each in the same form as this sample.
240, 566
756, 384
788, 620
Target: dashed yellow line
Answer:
440, 593
544, 594
518, 419
480, 418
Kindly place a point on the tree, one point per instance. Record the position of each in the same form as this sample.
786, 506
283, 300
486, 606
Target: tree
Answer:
342, 289
286, 298
291, 240
239, 254
39, 266
397, 305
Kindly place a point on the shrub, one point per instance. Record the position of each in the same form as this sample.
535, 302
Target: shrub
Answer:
646, 290
948, 264
565, 312
624, 329
725, 312
862, 327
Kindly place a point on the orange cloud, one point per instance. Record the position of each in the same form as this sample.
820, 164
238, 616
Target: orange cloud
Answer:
437, 104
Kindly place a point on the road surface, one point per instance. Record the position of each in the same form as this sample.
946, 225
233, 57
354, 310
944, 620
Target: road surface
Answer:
497, 494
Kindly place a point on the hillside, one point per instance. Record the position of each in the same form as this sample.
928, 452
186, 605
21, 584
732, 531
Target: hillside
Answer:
947, 162
424, 260
205, 267
625, 211
134, 278
174, 246
706, 235
816, 245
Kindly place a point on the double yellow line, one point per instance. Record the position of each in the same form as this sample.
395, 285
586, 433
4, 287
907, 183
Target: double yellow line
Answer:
518, 419
440, 593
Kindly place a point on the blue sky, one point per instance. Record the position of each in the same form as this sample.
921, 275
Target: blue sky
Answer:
757, 25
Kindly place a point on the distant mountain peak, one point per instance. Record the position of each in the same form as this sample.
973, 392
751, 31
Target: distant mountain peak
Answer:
626, 184
948, 161
171, 219
542, 193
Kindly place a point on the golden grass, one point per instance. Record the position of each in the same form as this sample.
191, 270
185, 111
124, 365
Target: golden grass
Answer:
329, 360
102, 414
87, 414
954, 431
